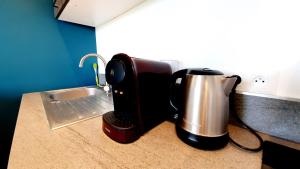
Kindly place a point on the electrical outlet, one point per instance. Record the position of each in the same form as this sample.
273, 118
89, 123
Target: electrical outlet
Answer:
262, 83
259, 80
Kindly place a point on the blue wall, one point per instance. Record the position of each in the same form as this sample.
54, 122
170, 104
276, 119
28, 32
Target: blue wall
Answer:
37, 53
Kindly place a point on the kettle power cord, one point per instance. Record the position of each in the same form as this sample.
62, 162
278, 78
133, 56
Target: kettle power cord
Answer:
252, 131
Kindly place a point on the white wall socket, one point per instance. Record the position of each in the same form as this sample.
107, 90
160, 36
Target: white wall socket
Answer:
259, 81
265, 84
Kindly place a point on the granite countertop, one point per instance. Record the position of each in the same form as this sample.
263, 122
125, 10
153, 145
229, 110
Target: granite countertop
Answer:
84, 145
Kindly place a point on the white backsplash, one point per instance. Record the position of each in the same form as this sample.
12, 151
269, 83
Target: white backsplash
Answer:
250, 38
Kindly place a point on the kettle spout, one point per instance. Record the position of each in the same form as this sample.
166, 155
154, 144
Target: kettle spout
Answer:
230, 83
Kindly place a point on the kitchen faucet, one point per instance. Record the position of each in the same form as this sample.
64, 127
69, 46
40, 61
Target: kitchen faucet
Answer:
91, 55
105, 87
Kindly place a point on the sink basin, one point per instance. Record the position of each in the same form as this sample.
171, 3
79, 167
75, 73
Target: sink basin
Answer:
73, 94
69, 106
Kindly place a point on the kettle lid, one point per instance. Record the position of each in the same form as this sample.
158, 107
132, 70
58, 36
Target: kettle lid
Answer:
204, 71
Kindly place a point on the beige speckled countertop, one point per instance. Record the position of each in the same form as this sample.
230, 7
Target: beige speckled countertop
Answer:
84, 145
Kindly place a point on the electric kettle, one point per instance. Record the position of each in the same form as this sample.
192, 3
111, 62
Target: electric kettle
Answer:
201, 101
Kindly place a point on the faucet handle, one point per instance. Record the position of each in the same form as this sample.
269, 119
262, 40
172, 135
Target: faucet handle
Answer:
106, 88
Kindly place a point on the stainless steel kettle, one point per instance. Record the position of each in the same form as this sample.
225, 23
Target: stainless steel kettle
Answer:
202, 104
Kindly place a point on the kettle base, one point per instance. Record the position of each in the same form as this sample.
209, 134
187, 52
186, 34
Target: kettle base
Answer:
202, 142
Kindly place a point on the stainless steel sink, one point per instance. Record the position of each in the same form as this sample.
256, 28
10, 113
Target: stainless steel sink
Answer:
73, 94
69, 106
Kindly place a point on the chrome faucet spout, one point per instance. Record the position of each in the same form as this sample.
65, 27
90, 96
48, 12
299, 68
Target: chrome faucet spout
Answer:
91, 55
106, 86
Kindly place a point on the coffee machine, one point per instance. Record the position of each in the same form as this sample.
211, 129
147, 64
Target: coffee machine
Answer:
140, 96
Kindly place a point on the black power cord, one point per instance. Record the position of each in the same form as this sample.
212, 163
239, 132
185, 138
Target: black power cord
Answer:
252, 131
260, 147
261, 141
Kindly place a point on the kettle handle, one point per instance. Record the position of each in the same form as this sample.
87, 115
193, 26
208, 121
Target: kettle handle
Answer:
173, 88
238, 80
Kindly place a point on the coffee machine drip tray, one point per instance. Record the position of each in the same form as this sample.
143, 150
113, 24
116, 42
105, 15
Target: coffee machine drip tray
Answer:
119, 128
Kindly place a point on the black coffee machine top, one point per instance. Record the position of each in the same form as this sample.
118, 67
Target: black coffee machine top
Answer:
140, 94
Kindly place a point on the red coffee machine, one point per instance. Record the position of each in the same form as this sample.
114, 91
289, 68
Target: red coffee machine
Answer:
140, 94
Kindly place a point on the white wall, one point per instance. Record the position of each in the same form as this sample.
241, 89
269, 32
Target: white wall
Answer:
246, 37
